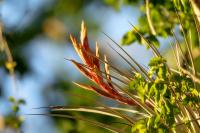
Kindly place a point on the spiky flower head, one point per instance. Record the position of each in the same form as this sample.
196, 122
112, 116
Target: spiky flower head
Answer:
92, 70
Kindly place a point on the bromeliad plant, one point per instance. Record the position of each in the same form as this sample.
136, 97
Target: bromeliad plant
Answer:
168, 98
91, 69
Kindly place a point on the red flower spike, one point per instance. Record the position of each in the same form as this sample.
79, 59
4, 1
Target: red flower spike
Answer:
91, 69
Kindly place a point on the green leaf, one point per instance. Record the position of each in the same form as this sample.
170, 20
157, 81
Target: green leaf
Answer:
152, 39
139, 126
182, 5
12, 99
162, 72
167, 107
156, 61
139, 84
15, 108
21, 101
116, 4
129, 38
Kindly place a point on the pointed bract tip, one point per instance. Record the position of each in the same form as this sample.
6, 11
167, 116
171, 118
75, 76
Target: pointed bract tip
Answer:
97, 50
106, 60
72, 38
68, 59
106, 67
83, 27
83, 86
83, 33
83, 24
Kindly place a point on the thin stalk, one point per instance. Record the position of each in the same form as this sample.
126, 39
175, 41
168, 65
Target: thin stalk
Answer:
127, 118
179, 46
99, 124
152, 29
155, 51
133, 67
85, 109
175, 53
140, 67
194, 116
194, 124
135, 62
58, 108
187, 44
178, 58
136, 100
196, 22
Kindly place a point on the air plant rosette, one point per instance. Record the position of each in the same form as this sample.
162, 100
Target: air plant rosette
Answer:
167, 99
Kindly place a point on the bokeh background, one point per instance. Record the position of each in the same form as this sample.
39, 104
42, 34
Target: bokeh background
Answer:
37, 32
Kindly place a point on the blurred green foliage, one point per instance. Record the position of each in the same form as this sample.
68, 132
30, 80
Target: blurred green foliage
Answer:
65, 12
166, 89
117, 4
163, 15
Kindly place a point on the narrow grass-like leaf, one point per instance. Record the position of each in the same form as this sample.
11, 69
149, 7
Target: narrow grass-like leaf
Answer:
137, 64
133, 67
95, 123
196, 22
175, 54
155, 51
98, 109
136, 100
178, 45
187, 43
86, 109
134, 61
115, 112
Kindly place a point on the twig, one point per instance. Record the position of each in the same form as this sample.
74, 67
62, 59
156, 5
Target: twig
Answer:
187, 43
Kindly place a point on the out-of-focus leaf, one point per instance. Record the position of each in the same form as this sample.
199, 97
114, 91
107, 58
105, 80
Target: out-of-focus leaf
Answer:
129, 38
139, 126
181, 5
152, 39
12, 99
116, 4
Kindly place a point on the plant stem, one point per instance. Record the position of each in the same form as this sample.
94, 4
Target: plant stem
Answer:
153, 31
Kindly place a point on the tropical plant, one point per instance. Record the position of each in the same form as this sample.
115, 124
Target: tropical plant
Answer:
168, 98
164, 99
